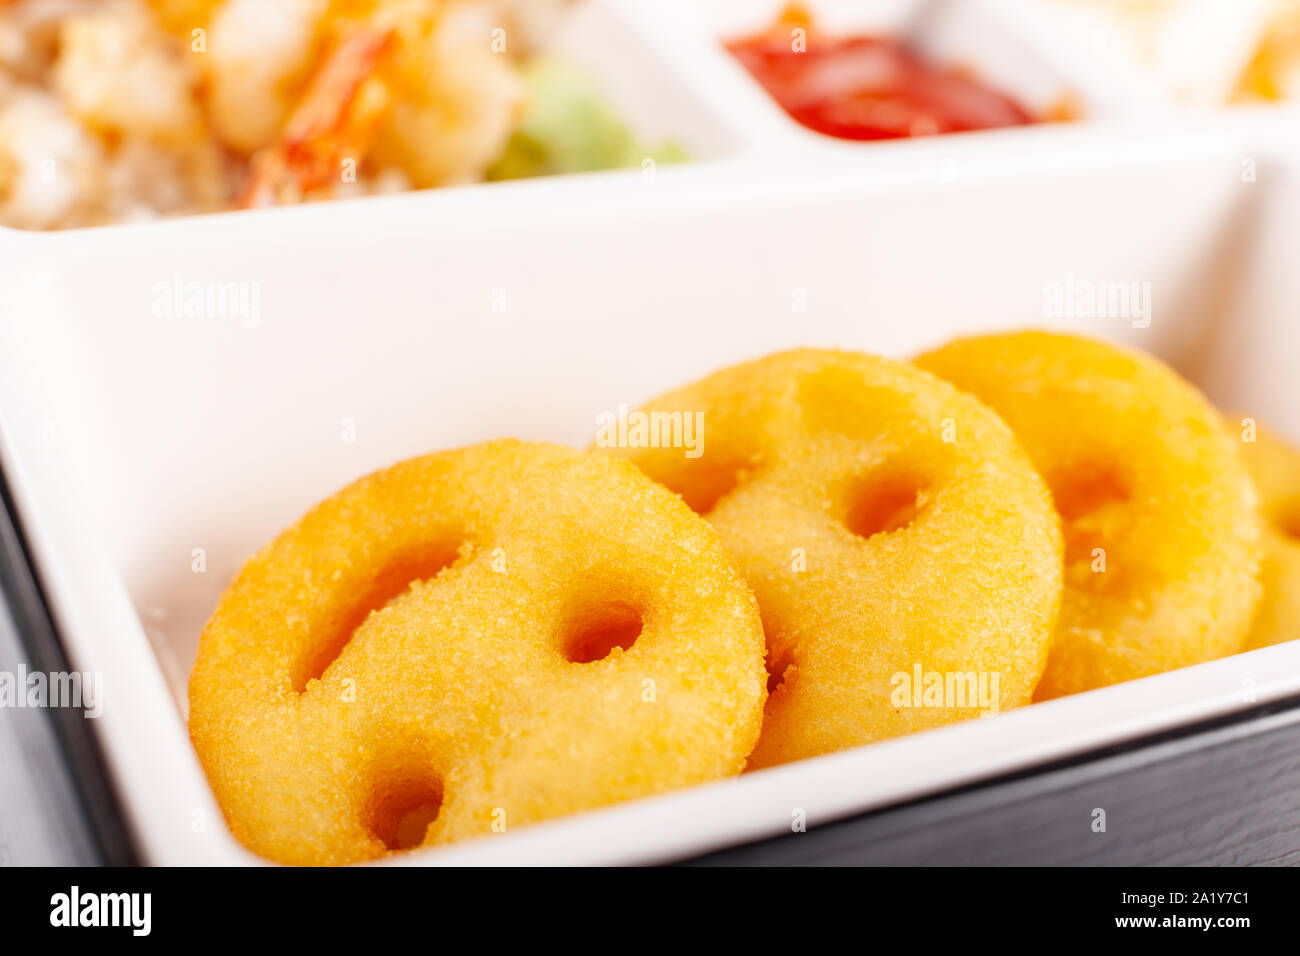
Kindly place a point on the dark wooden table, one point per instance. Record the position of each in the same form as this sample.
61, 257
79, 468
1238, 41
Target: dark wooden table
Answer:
56, 805
1225, 793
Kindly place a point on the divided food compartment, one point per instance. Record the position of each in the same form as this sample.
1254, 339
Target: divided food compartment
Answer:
138, 438
663, 67
1014, 45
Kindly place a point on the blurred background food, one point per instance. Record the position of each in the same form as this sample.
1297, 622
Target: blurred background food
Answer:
119, 110
116, 110
569, 128
1274, 71
1204, 52
868, 87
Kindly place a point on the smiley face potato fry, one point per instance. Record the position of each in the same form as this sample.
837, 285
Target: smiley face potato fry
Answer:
893, 532
469, 640
1162, 537
1275, 468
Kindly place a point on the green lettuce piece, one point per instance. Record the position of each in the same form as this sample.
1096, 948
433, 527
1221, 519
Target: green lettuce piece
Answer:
569, 128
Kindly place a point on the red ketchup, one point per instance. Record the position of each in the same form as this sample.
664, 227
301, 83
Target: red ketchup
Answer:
864, 87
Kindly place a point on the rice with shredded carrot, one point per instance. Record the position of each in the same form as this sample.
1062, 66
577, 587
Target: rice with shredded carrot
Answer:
117, 110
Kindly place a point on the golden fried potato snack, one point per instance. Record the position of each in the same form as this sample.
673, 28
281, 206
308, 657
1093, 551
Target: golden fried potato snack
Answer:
1161, 534
902, 549
472, 641
1275, 468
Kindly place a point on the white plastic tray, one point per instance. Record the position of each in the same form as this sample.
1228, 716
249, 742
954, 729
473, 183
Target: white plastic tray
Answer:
432, 320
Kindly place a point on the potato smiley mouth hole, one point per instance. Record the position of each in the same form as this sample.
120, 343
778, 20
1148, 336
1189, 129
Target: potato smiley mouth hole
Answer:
593, 634
391, 582
777, 666
404, 807
880, 504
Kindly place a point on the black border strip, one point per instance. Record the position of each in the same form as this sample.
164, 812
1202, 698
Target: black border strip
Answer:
38, 634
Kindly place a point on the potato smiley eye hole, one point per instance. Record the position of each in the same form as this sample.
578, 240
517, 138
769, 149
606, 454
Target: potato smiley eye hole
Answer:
391, 582
710, 480
403, 808
593, 634
879, 504
1085, 491
1289, 521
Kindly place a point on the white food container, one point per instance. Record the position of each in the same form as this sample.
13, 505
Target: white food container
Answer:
137, 436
